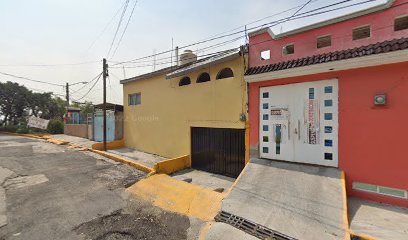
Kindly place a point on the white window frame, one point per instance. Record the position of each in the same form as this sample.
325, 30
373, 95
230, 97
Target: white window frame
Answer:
266, 51
327, 35
284, 47
401, 16
362, 26
136, 98
378, 190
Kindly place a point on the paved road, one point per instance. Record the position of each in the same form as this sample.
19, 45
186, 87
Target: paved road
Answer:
52, 192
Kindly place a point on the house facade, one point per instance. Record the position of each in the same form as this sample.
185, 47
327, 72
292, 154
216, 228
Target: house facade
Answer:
335, 94
181, 110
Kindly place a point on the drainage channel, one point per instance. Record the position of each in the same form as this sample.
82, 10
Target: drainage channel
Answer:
250, 227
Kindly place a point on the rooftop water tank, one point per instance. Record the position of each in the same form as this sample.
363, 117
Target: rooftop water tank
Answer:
187, 57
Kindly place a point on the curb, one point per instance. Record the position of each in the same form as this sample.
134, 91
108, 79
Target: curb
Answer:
124, 160
346, 225
148, 170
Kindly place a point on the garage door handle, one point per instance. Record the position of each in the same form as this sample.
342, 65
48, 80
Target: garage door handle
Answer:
299, 129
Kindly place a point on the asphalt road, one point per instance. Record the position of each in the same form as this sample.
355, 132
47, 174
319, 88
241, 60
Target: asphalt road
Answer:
52, 192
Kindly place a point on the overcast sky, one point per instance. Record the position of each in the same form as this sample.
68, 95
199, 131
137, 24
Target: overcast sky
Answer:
71, 31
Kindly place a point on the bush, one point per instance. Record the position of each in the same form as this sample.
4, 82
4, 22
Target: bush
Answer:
55, 126
9, 128
22, 130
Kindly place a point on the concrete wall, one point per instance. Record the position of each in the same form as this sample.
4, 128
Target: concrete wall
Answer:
372, 139
118, 125
161, 124
78, 130
382, 28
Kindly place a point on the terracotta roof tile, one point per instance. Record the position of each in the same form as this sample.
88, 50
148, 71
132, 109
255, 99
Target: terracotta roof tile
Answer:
376, 48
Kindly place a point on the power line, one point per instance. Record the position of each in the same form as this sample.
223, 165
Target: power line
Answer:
298, 16
93, 79
106, 27
48, 65
86, 94
118, 27
42, 91
29, 79
124, 31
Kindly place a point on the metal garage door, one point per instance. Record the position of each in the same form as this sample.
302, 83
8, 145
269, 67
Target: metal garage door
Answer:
218, 150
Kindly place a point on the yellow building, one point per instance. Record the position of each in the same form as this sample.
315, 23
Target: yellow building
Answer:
198, 108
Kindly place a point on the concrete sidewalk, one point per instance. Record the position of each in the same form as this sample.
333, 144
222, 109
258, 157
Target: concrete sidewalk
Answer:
301, 201
145, 159
140, 157
377, 220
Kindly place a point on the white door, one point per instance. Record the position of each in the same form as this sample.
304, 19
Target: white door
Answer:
299, 122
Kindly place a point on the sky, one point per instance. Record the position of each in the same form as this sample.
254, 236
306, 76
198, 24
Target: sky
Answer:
60, 41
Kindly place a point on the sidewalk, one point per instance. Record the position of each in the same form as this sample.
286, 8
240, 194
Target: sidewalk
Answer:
146, 160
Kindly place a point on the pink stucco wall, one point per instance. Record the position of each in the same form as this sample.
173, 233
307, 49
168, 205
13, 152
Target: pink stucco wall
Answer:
382, 27
372, 140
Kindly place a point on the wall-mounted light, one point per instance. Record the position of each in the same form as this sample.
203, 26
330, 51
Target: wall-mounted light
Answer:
380, 99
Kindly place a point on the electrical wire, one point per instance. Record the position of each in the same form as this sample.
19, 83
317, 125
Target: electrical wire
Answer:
29, 79
48, 65
118, 27
106, 27
93, 79
86, 94
298, 16
124, 31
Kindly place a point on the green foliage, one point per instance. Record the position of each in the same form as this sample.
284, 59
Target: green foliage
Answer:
22, 130
86, 107
17, 103
8, 128
56, 126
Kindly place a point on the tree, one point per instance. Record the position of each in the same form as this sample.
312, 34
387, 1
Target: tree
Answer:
17, 103
13, 102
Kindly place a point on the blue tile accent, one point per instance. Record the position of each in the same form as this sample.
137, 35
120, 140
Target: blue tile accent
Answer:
328, 156
328, 103
265, 117
265, 128
328, 143
328, 116
265, 106
311, 93
265, 150
328, 129
265, 95
328, 89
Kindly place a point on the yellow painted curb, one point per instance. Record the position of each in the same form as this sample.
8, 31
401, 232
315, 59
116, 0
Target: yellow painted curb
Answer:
346, 225
123, 160
57, 141
173, 165
236, 180
178, 196
363, 236
109, 145
38, 136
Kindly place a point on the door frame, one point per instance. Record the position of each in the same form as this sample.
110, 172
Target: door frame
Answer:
334, 150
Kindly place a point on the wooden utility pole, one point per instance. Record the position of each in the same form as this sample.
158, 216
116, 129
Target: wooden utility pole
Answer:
105, 74
67, 88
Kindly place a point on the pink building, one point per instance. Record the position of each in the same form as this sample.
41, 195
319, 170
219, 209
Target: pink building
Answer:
335, 94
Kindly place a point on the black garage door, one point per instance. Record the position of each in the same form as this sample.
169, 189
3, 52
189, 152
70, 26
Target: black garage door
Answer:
218, 150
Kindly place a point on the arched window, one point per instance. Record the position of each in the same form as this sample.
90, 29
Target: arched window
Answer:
225, 73
204, 77
184, 81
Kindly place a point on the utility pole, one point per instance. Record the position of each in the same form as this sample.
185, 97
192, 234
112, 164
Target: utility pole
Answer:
105, 74
67, 88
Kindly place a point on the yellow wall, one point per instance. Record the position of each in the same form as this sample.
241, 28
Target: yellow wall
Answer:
161, 123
